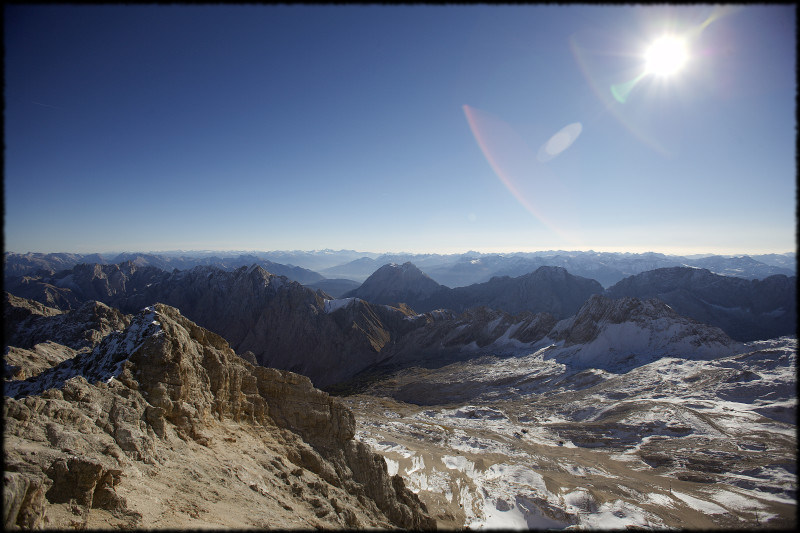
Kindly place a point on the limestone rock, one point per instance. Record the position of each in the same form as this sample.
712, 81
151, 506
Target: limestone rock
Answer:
165, 395
23, 501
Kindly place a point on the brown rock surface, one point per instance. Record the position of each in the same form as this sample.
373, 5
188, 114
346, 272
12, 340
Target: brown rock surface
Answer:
163, 425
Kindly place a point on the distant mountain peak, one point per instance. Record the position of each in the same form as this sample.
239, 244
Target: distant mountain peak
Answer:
395, 283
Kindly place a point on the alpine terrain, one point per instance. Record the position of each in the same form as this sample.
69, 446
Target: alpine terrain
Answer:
137, 397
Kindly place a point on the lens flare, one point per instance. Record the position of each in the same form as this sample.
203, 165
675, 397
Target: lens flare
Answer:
657, 63
535, 187
559, 142
581, 54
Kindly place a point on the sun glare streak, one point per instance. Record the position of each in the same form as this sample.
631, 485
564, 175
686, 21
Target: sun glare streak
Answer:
621, 91
513, 164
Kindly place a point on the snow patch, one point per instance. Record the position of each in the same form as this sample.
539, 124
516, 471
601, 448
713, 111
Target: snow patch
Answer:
333, 305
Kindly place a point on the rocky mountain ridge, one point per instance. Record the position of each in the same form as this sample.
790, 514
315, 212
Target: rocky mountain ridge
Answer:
90, 441
745, 309
37, 337
621, 334
392, 284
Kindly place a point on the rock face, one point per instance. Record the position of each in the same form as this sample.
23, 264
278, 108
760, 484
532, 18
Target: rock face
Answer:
28, 323
440, 337
68, 289
283, 323
90, 442
745, 309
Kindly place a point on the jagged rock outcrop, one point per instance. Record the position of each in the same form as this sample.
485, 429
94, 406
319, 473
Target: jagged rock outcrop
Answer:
745, 309
166, 400
40, 289
283, 323
28, 323
68, 289
38, 337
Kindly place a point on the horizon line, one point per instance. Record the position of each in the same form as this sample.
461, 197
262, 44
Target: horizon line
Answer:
484, 251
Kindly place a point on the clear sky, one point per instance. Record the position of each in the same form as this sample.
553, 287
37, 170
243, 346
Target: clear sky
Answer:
416, 128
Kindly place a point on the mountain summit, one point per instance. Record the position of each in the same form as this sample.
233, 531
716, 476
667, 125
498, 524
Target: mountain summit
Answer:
393, 283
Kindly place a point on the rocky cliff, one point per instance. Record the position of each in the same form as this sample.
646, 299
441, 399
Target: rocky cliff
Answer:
163, 425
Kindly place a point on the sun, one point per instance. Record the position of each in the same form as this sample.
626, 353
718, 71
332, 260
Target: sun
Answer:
666, 56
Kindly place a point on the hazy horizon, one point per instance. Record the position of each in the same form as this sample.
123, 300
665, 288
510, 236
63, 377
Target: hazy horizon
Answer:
401, 252
424, 128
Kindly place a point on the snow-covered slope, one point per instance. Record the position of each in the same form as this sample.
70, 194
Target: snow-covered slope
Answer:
621, 334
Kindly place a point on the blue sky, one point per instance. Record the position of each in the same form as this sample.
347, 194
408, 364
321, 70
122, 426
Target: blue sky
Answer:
415, 128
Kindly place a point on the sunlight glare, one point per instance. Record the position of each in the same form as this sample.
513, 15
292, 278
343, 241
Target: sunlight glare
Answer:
666, 56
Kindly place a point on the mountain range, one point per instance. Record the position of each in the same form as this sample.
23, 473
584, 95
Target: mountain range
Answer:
547, 289
452, 270
745, 309
607, 268
289, 326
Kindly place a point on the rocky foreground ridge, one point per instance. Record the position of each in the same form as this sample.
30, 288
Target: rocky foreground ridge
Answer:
163, 425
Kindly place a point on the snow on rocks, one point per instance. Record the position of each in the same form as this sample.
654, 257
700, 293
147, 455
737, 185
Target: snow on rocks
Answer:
102, 364
333, 305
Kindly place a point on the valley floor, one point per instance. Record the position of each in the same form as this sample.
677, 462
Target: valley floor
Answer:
525, 442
